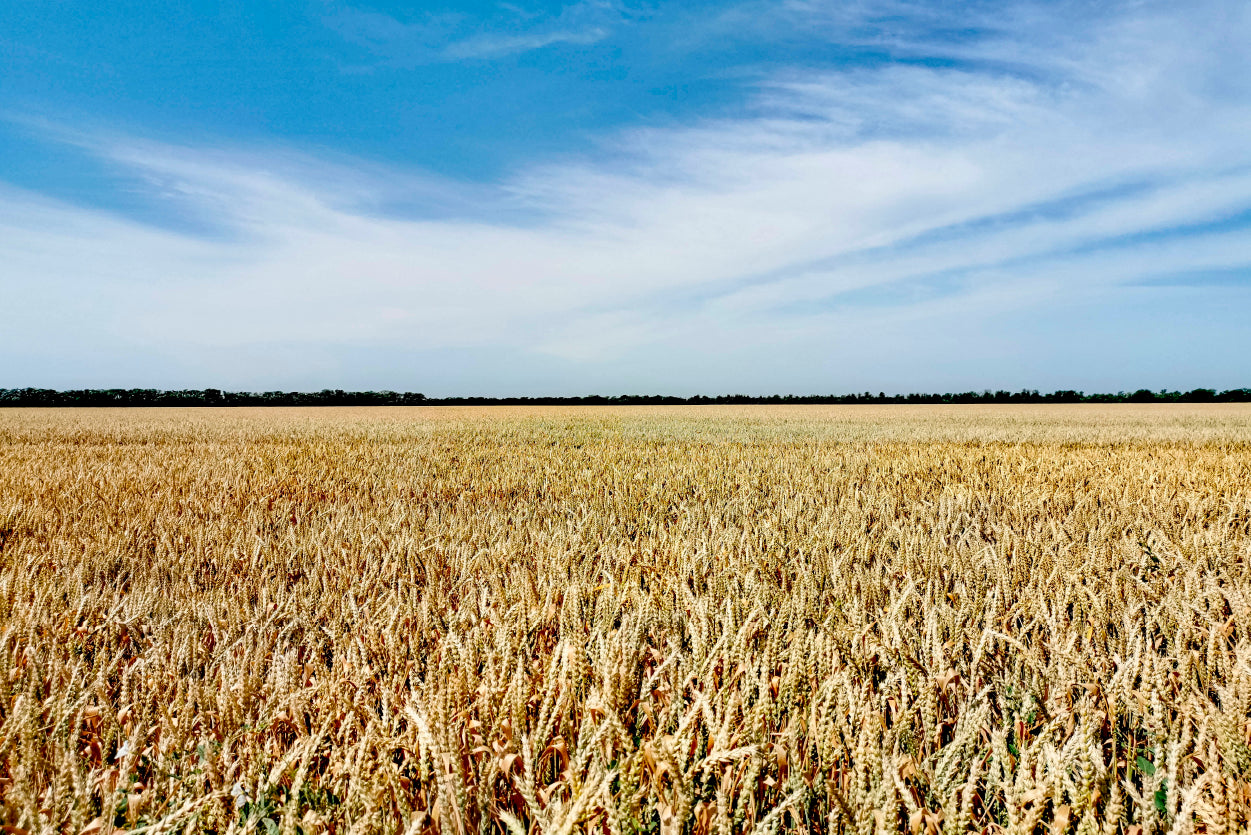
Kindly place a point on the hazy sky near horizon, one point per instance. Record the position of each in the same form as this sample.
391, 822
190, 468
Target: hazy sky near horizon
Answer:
602, 196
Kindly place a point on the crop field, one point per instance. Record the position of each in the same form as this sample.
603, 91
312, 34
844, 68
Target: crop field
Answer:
1031, 619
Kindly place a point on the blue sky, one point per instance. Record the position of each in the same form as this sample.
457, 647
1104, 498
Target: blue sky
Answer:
602, 196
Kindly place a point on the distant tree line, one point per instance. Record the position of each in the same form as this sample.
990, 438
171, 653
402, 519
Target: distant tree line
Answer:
205, 397
338, 397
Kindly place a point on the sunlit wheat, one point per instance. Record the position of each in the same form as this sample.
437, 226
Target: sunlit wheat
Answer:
693, 620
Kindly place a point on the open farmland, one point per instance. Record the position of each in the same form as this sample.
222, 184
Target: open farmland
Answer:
625, 621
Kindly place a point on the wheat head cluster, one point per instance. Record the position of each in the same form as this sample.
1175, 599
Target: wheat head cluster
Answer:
695, 620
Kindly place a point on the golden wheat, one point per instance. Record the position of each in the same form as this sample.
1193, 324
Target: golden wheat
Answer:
626, 621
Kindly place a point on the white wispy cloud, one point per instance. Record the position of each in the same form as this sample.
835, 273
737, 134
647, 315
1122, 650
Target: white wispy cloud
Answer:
848, 208
435, 37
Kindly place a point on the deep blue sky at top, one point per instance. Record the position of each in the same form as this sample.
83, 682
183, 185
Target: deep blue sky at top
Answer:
543, 196
377, 80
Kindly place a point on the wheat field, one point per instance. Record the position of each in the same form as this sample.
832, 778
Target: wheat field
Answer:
626, 621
